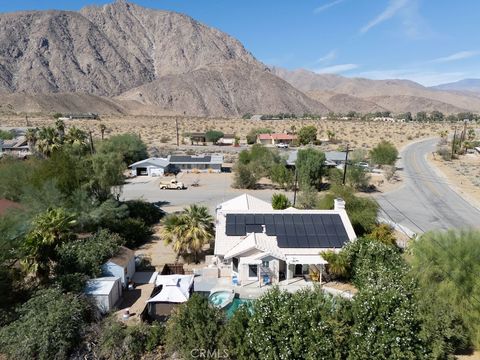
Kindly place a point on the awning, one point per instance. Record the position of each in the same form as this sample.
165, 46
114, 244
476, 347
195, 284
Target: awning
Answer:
305, 259
250, 261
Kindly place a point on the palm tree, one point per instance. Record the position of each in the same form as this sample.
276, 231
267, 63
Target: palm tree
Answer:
189, 231
75, 136
47, 141
49, 230
60, 127
103, 127
31, 137
337, 263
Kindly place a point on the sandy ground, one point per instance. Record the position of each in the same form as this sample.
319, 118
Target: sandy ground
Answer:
158, 131
462, 174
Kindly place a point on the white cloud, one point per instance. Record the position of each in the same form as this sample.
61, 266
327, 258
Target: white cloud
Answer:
330, 56
421, 76
457, 56
336, 69
392, 9
327, 6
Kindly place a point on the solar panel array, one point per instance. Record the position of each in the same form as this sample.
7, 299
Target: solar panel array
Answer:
292, 230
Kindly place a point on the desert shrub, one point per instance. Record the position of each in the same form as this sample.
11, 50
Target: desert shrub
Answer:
385, 153
440, 262
307, 198
361, 211
164, 139
280, 202
244, 177
204, 323
86, 256
356, 177
233, 340
213, 135
383, 233
148, 212
279, 174
6, 135
134, 231
118, 341
310, 168
129, 146
445, 153
307, 135
48, 327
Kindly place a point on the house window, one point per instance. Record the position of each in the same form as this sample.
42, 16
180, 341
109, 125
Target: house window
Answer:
265, 263
252, 271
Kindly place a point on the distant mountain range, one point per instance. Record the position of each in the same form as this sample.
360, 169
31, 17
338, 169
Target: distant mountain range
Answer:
121, 58
471, 85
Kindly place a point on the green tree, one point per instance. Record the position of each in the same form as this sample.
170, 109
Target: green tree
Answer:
385, 153
421, 116
307, 135
49, 326
213, 135
204, 324
189, 231
244, 177
440, 261
48, 141
280, 202
310, 166
76, 137
437, 116
234, 340
338, 263
129, 146
49, 230
279, 174
107, 172
6, 135
31, 137
383, 233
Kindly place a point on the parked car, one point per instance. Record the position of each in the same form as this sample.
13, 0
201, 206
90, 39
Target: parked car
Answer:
172, 184
282, 146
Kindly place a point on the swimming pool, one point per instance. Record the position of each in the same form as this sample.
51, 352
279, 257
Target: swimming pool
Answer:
220, 299
235, 305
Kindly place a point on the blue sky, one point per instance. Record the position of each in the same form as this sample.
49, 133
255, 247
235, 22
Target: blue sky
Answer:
428, 41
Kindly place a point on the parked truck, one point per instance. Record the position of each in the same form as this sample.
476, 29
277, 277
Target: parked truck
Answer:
172, 184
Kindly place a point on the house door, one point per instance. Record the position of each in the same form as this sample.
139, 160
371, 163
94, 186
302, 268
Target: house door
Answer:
298, 270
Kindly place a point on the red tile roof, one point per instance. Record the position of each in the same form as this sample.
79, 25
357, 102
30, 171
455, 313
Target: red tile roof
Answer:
280, 136
6, 205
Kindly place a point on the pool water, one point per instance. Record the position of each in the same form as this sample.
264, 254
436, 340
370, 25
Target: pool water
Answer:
219, 299
235, 305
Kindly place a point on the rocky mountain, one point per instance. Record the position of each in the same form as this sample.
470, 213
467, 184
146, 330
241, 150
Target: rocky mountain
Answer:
472, 85
174, 62
393, 95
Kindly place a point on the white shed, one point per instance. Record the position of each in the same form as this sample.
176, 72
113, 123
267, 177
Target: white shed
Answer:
121, 265
106, 292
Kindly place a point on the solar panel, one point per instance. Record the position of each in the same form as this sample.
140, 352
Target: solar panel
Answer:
270, 229
240, 229
292, 241
280, 229
334, 241
336, 219
282, 241
302, 242
307, 219
323, 242
319, 228
278, 218
290, 229
300, 229
330, 229
310, 229
288, 218
259, 219
297, 219
240, 219
249, 219
313, 241
230, 230
268, 218
230, 219
255, 228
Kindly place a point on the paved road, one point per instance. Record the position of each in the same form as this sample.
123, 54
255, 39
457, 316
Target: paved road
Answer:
426, 201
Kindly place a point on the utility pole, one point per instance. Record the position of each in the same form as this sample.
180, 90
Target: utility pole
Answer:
345, 166
176, 128
26, 120
295, 186
453, 142
92, 150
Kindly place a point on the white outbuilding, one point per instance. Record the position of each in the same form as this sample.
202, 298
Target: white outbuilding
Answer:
105, 291
121, 265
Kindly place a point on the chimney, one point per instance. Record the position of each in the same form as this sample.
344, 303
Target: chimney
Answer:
339, 204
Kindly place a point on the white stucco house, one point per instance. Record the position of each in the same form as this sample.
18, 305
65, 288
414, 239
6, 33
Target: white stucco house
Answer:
106, 292
258, 244
121, 265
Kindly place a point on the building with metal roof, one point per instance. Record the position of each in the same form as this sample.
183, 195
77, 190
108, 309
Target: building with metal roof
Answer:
176, 163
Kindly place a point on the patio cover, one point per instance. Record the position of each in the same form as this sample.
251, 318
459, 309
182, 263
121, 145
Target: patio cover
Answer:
176, 288
250, 261
306, 259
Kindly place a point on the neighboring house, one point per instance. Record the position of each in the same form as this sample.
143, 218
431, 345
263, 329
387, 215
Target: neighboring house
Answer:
6, 205
259, 244
171, 290
274, 139
87, 116
121, 265
227, 139
105, 291
197, 138
149, 167
15, 147
332, 158
186, 163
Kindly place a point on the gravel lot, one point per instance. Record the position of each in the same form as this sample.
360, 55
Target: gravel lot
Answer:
213, 189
